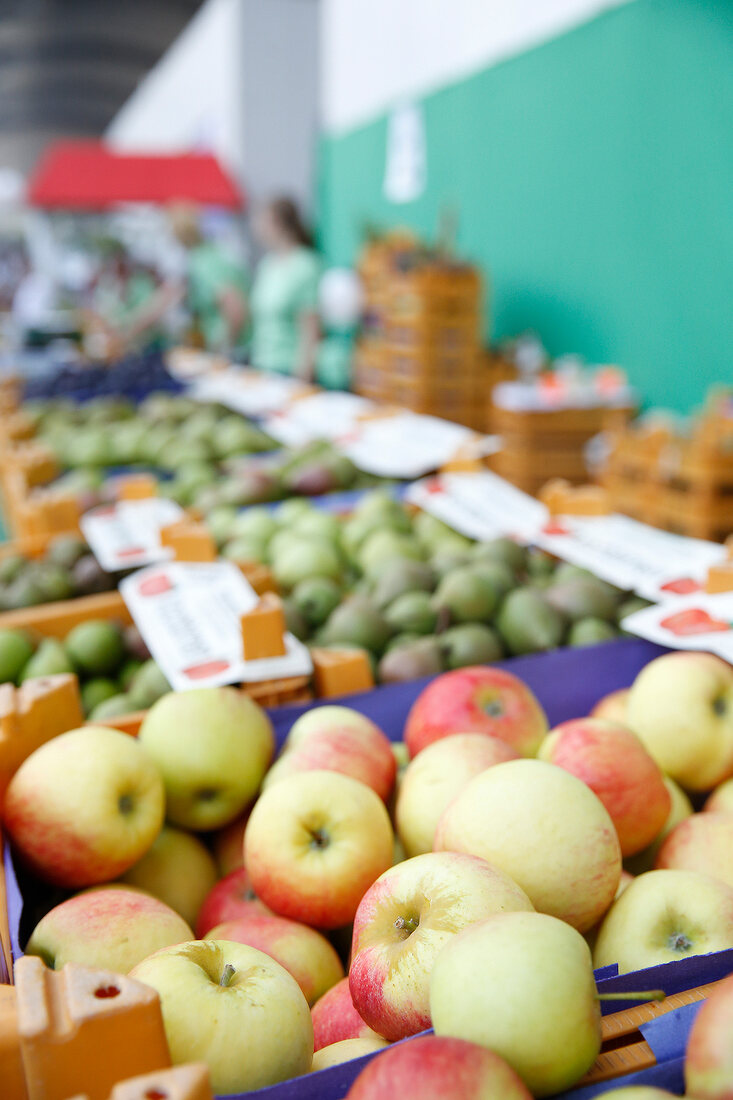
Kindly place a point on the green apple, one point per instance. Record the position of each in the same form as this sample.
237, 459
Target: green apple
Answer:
234, 1008
522, 985
665, 915
680, 808
546, 829
681, 706
345, 1051
178, 869
212, 747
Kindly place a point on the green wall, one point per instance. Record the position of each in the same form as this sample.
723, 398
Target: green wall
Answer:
594, 179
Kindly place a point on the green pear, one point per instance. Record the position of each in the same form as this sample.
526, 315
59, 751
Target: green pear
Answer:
522, 985
16, 649
590, 631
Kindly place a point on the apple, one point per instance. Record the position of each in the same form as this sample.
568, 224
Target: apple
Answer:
314, 843
438, 1068
331, 738
616, 766
228, 845
304, 953
612, 707
345, 1051
433, 779
546, 829
112, 927
84, 807
643, 1092
665, 915
709, 1054
403, 922
336, 1019
522, 985
212, 994
230, 898
476, 700
681, 706
703, 842
178, 869
212, 747
721, 798
680, 808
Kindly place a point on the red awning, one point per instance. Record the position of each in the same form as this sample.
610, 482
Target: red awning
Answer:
86, 175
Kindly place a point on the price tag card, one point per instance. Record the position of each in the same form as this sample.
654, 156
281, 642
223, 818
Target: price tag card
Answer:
325, 415
701, 621
480, 505
629, 554
127, 534
404, 446
249, 392
189, 615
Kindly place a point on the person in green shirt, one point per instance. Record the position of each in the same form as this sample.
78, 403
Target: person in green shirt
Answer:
284, 299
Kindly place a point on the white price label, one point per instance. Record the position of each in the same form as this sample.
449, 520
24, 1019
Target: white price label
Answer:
702, 621
126, 535
189, 615
406, 445
632, 555
479, 505
325, 415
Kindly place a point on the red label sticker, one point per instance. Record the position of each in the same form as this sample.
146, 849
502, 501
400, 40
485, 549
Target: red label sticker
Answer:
155, 585
435, 485
694, 620
681, 586
554, 527
131, 551
105, 510
208, 668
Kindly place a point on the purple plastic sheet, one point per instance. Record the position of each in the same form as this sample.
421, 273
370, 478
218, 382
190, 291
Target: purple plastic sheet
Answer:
568, 683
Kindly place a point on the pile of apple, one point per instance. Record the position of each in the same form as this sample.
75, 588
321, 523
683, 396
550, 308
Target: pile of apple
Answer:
469, 878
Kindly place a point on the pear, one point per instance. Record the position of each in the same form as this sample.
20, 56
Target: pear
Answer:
16, 649
412, 612
305, 557
470, 644
411, 661
527, 623
590, 631
522, 985
505, 550
468, 595
315, 598
401, 575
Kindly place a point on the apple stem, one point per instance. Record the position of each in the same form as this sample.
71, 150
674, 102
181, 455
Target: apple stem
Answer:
640, 995
226, 975
408, 924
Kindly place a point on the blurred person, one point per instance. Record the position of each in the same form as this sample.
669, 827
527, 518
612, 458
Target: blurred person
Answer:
212, 286
284, 300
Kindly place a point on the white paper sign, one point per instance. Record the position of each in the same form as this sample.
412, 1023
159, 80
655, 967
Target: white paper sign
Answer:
405, 446
126, 535
249, 392
406, 162
189, 615
702, 622
632, 555
325, 415
479, 505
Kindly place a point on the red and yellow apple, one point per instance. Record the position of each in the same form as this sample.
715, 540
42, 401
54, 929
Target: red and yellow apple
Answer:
232, 897
433, 779
337, 739
212, 747
721, 798
709, 1054
228, 845
546, 829
665, 915
612, 761
314, 843
681, 706
680, 808
304, 953
113, 927
403, 922
438, 1068
335, 1019
178, 869
476, 700
84, 807
234, 1008
704, 843
612, 707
